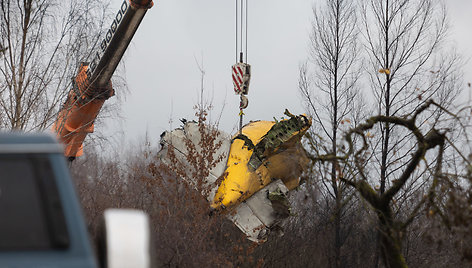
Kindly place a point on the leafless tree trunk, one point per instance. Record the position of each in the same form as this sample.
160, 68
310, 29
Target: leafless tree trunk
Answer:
392, 228
403, 41
43, 42
328, 86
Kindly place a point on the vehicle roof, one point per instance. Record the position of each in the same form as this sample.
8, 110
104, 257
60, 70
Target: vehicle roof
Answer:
19, 142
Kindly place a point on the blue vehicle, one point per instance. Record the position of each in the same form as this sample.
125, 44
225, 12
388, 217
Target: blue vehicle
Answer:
41, 222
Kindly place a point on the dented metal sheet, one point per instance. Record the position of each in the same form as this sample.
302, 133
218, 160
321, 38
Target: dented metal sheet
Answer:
256, 216
262, 206
245, 219
177, 138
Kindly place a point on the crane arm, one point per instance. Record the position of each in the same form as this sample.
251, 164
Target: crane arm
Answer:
92, 85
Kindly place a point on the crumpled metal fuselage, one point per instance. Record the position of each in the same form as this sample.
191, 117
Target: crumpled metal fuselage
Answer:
263, 152
260, 166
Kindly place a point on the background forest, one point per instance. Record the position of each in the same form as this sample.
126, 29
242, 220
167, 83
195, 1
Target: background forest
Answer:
390, 174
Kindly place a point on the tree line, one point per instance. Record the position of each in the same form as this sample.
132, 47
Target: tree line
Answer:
390, 174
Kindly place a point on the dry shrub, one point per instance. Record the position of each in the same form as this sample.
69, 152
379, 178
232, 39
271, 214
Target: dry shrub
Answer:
184, 233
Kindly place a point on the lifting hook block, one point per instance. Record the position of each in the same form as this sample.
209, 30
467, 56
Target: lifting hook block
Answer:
244, 102
241, 78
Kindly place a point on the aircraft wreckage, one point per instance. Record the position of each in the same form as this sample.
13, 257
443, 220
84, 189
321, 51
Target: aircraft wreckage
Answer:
262, 163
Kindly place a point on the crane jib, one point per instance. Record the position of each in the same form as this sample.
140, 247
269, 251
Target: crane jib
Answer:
108, 37
92, 85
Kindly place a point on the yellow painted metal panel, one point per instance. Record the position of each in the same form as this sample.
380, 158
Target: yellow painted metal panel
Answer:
285, 161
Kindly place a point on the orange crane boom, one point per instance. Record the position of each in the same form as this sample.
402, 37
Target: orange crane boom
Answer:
92, 85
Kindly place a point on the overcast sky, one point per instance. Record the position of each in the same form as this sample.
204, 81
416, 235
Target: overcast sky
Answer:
164, 79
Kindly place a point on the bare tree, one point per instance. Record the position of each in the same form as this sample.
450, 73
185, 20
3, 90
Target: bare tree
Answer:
43, 43
392, 228
403, 41
328, 86
452, 205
